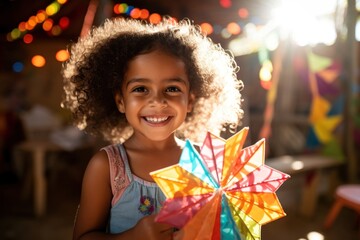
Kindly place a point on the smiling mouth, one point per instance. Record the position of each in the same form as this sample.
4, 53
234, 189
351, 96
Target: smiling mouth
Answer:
156, 119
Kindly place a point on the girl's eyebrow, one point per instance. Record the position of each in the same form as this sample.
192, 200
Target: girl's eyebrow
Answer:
136, 80
178, 80
145, 80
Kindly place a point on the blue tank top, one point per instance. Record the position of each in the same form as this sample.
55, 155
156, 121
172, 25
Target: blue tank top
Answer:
133, 197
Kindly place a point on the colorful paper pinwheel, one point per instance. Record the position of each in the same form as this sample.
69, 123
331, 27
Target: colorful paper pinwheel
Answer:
225, 192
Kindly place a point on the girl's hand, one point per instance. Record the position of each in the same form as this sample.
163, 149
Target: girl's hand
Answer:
148, 229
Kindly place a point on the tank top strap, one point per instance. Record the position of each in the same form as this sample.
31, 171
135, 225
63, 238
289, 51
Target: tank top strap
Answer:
124, 159
120, 174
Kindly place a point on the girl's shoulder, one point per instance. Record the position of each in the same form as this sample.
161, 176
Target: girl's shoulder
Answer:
120, 175
116, 157
99, 161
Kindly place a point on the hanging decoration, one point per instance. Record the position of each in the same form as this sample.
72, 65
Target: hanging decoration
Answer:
325, 116
43, 17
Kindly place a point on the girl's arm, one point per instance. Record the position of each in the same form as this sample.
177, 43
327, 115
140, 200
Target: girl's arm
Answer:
95, 202
94, 209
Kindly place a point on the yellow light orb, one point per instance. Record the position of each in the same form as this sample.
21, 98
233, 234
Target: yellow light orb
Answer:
38, 61
15, 33
123, 8
155, 18
41, 16
207, 28
264, 74
52, 8
233, 28
62, 55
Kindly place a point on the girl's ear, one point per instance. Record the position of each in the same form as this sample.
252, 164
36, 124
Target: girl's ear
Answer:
191, 102
120, 102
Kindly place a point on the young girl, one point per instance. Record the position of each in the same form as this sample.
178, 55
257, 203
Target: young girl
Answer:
144, 87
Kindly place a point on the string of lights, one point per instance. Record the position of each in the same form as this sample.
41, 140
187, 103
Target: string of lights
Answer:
44, 18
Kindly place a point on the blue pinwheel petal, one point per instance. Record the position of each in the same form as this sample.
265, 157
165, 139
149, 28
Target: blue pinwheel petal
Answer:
191, 161
229, 229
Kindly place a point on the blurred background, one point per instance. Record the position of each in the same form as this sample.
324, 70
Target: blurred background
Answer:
299, 61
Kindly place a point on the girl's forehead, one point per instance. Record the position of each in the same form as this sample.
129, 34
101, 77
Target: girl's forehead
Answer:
156, 64
157, 57
159, 50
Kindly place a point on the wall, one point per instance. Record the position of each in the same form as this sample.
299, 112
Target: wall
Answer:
39, 86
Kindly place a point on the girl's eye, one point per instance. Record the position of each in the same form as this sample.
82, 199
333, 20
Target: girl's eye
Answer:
173, 89
139, 89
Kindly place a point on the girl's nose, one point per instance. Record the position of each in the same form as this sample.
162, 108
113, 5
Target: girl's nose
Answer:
158, 98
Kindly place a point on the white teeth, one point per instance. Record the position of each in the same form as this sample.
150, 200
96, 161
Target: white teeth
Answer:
156, 120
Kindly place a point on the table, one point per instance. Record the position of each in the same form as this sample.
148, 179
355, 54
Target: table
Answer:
312, 166
38, 150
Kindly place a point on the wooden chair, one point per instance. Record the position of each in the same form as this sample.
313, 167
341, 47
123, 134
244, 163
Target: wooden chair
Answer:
346, 196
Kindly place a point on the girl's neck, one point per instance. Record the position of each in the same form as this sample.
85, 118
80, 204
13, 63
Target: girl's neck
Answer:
145, 155
137, 141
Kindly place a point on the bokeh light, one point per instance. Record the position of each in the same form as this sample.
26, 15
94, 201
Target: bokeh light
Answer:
225, 3
15, 33
265, 74
64, 22
129, 9
144, 14
120, 8
18, 67
38, 61
48, 24
272, 41
307, 22
28, 38
29, 26
22, 26
56, 30
52, 9
243, 13
206, 28
135, 13
233, 28
315, 236
41, 16
225, 34
32, 21
9, 38
62, 55
155, 18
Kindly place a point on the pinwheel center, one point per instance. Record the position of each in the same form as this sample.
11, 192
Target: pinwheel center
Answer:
219, 191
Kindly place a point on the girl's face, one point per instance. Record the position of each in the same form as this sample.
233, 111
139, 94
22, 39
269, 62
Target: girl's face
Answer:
155, 95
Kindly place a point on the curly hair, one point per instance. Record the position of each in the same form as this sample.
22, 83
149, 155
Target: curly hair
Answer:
95, 71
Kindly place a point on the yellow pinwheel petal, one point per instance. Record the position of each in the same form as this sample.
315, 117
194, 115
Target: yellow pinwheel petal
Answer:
175, 181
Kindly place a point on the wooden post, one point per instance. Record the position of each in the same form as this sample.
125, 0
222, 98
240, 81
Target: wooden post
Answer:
351, 64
